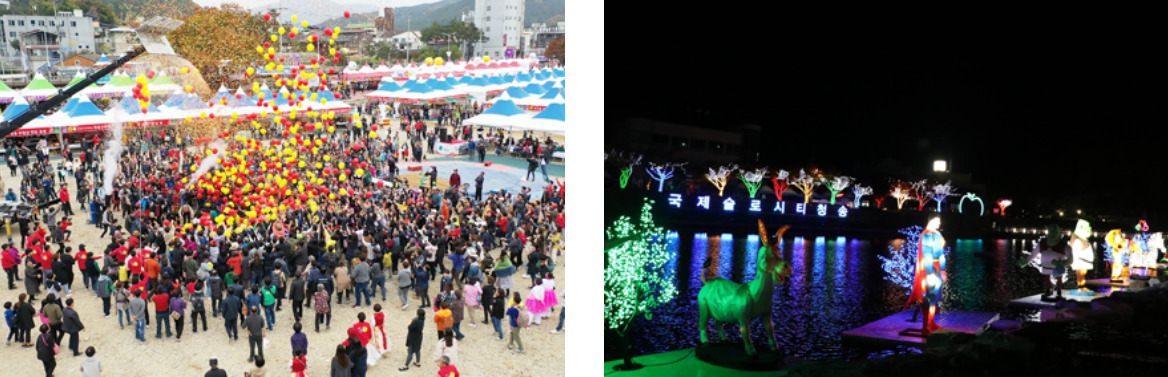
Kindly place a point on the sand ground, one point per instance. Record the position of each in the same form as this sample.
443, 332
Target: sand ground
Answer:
121, 355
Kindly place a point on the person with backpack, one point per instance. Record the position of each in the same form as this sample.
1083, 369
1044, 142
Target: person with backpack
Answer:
198, 308
104, 289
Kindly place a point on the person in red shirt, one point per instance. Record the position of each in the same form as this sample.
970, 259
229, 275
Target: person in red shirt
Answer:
64, 225
134, 264
121, 253
133, 242
445, 369
162, 311
10, 261
234, 262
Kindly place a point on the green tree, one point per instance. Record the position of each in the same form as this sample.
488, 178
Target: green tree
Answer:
380, 50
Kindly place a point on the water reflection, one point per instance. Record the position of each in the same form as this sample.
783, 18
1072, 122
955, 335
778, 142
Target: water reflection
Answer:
836, 285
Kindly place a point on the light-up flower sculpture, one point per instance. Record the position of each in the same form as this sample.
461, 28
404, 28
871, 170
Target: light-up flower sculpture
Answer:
805, 184
752, 179
662, 173
779, 181
941, 191
860, 191
719, 177
836, 184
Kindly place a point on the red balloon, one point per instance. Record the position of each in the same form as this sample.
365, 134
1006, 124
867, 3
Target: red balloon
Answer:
281, 60
336, 60
266, 45
328, 32
338, 54
143, 111
149, 75
267, 17
346, 14
291, 35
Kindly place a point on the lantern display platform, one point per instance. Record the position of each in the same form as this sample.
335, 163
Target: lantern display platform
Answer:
1106, 282
733, 356
1069, 295
886, 331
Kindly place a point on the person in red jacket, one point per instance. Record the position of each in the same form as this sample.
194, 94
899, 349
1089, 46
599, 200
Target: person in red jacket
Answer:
10, 259
235, 262
65, 206
64, 225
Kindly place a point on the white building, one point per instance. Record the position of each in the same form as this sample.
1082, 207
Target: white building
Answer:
71, 31
539, 35
410, 40
501, 22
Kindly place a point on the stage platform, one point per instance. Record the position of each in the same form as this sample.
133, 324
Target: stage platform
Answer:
887, 330
1035, 301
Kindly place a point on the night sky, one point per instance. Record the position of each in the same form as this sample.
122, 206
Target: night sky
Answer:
1053, 120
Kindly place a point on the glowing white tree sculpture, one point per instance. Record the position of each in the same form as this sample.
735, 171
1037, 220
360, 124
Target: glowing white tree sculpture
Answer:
752, 179
941, 191
859, 191
806, 184
836, 184
922, 192
719, 177
901, 193
662, 173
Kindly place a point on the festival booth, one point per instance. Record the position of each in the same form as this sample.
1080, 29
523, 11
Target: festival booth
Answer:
135, 117
84, 116
7, 95
39, 126
329, 102
161, 83
38, 89
540, 103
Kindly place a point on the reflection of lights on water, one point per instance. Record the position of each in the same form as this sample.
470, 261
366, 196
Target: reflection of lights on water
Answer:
700, 235
672, 235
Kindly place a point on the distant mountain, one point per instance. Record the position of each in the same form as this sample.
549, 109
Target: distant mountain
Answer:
129, 11
314, 11
420, 16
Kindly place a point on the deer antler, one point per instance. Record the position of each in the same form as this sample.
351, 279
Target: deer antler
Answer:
762, 233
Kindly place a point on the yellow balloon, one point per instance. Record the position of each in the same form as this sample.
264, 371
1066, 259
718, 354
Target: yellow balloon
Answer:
310, 48
373, 135
330, 130
250, 71
304, 24
343, 177
336, 30
438, 61
360, 172
275, 38
340, 164
281, 30
326, 158
183, 70
331, 196
332, 41
293, 20
259, 49
295, 30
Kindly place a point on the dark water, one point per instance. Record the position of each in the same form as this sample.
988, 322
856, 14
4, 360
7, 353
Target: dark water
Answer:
837, 284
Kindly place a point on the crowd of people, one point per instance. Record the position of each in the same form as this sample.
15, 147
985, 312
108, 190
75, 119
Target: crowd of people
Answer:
180, 241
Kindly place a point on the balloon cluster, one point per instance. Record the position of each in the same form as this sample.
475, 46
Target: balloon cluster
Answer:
141, 91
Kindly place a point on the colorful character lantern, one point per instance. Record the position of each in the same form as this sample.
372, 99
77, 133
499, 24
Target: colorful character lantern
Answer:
929, 279
1118, 249
1082, 252
728, 301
